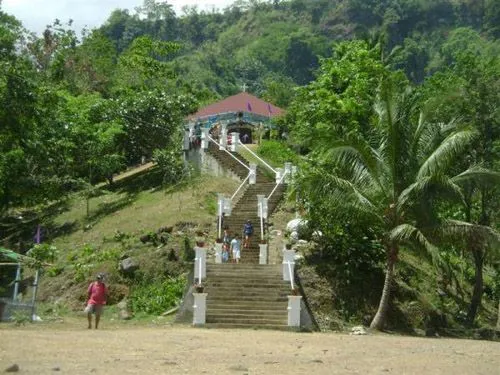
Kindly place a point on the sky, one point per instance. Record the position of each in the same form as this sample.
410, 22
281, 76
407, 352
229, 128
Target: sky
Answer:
36, 14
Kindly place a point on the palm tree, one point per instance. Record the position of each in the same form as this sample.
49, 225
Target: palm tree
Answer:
396, 180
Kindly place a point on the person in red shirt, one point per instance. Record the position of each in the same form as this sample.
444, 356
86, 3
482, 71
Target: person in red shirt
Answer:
97, 293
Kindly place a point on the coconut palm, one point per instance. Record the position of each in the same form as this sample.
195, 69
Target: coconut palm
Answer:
396, 180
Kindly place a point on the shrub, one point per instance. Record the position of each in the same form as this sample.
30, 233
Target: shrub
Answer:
188, 253
277, 153
157, 297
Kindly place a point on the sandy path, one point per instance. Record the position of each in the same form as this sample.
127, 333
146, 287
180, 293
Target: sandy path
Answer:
185, 350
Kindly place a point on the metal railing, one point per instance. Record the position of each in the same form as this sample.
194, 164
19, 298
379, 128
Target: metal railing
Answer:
256, 156
291, 274
234, 157
261, 221
277, 184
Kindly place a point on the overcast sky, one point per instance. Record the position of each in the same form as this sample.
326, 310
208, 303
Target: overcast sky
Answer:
36, 14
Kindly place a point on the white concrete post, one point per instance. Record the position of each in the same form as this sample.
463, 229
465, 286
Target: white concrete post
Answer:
263, 253
185, 144
223, 137
294, 311
235, 138
200, 263
253, 174
288, 256
279, 174
204, 138
200, 308
218, 252
220, 212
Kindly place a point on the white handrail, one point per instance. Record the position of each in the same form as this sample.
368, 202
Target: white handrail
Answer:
234, 157
255, 155
279, 183
199, 268
237, 190
221, 207
261, 222
290, 273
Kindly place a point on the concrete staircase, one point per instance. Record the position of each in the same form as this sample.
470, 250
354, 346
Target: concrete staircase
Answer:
247, 295
246, 207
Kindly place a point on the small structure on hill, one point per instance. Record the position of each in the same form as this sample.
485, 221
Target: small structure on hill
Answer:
242, 113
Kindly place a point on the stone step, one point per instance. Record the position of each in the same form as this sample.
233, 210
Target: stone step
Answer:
260, 267
245, 277
251, 305
276, 327
224, 298
246, 290
278, 313
233, 279
245, 320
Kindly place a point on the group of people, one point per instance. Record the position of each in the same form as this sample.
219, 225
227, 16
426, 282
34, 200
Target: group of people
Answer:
231, 247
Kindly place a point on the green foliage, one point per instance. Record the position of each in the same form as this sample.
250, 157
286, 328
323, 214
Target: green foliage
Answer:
340, 101
41, 254
171, 163
188, 253
157, 297
83, 261
277, 153
211, 203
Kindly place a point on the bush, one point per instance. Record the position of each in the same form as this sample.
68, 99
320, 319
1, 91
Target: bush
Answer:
157, 297
188, 253
277, 153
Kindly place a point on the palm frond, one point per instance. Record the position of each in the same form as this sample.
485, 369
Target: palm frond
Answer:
407, 233
356, 155
445, 154
456, 229
478, 175
423, 187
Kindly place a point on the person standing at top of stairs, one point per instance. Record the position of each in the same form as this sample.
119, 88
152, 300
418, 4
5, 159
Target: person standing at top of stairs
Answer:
247, 233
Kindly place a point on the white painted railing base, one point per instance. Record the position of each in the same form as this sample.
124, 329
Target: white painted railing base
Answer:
199, 308
200, 263
288, 257
294, 311
263, 253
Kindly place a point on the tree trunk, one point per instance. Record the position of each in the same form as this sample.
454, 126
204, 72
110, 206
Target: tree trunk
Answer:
477, 294
378, 321
498, 319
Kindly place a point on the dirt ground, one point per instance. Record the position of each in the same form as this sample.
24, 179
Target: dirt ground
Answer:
48, 348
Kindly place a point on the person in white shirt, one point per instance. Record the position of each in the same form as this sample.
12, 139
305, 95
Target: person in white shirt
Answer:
236, 248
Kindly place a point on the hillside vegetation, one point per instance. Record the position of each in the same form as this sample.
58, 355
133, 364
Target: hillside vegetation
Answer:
391, 115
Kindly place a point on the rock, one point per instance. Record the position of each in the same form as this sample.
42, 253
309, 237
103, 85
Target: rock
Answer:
165, 230
302, 242
276, 232
316, 235
125, 315
298, 257
128, 265
295, 224
122, 304
358, 330
13, 368
57, 368
294, 236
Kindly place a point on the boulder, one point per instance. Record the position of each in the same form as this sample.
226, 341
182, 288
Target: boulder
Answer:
128, 265
295, 224
358, 330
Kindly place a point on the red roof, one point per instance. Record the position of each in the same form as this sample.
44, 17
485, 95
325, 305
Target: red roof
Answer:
242, 102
